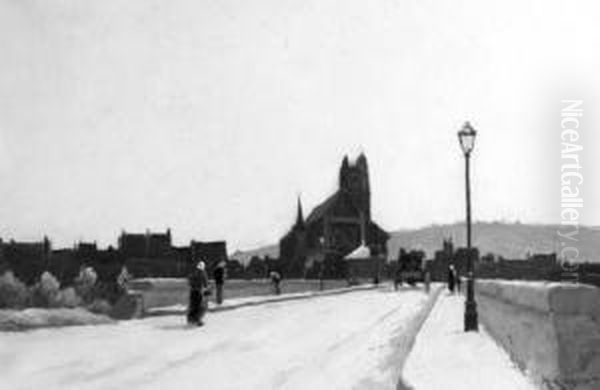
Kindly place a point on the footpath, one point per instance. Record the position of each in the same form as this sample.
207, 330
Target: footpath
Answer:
235, 303
446, 357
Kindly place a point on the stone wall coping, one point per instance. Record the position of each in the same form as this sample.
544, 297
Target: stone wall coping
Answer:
555, 297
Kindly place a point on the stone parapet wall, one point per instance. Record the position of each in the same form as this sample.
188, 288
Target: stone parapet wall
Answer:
161, 292
552, 330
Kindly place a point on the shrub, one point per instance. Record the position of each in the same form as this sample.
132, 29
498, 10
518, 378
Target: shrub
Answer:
13, 292
100, 306
85, 282
45, 293
68, 298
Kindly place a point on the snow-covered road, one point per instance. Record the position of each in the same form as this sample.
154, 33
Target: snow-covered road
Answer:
334, 342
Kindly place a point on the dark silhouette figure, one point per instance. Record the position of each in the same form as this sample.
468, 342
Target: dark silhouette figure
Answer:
451, 278
198, 303
219, 276
397, 278
276, 281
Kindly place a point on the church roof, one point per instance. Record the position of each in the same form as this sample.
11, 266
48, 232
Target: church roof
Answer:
320, 210
379, 230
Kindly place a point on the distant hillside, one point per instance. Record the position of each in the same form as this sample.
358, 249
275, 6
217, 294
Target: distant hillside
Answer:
245, 256
512, 241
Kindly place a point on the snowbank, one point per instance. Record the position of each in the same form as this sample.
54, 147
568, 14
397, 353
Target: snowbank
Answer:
446, 357
550, 329
14, 320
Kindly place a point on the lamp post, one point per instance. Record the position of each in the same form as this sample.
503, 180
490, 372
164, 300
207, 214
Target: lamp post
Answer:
466, 136
321, 283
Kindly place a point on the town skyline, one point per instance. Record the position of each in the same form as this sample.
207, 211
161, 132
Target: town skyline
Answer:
210, 119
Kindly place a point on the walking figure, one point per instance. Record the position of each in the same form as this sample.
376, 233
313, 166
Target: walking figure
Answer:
199, 292
219, 276
397, 278
276, 281
451, 278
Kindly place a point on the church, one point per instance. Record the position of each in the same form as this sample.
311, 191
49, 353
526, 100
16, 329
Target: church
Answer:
316, 246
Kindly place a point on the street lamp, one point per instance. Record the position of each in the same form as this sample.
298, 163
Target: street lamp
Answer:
466, 136
322, 265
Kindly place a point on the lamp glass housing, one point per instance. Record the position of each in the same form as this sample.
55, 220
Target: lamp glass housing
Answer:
466, 136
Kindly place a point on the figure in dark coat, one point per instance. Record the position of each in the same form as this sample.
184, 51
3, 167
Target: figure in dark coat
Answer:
451, 278
219, 276
198, 303
397, 278
427, 281
276, 281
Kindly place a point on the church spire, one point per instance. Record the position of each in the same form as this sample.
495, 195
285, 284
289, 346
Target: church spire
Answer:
299, 216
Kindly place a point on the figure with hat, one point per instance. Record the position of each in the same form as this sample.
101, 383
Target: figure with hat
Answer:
199, 292
219, 276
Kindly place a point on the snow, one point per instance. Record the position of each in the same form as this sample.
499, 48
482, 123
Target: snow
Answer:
334, 342
361, 252
38, 317
446, 357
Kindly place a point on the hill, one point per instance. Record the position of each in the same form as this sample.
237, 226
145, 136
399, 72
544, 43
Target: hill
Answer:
510, 240
245, 256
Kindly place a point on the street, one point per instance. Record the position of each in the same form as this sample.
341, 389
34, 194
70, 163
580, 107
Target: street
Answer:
339, 341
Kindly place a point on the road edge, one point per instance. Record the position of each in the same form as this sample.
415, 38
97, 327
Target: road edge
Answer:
269, 299
409, 336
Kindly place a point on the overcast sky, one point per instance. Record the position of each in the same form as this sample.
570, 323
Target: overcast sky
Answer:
209, 117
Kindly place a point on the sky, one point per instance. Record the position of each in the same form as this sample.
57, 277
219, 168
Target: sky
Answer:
210, 117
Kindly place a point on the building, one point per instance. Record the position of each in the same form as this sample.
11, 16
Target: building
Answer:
540, 266
362, 266
448, 255
210, 252
144, 254
3, 263
145, 245
334, 228
150, 255
28, 260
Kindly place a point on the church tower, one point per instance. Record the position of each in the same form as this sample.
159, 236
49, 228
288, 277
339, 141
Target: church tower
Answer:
354, 181
334, 228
